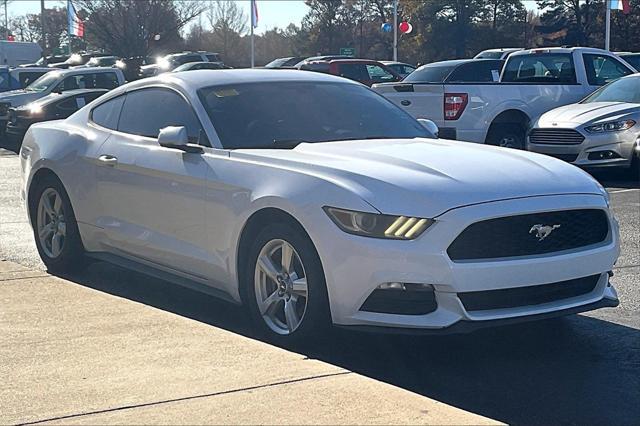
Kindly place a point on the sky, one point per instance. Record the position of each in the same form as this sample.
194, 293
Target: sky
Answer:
272, 13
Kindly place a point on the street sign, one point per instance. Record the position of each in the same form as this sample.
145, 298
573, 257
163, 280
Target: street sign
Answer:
348, 51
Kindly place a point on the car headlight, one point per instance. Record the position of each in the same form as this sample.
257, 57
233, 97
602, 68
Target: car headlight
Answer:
34, 109
611, 126
378, 225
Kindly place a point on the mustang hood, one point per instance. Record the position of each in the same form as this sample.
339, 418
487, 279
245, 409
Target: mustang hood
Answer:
586, 113
426, 177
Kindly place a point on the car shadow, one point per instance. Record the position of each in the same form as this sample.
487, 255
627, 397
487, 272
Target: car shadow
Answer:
575, 370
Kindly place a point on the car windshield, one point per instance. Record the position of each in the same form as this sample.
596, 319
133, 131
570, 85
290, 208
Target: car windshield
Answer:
43, 83
283, 114
622, 90
430, 74
277, 63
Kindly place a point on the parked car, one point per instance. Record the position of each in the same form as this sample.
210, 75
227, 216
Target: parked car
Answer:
103, 61
322, 58
288, 62
312, 200
15, 53
45, 61
458, 71
170, 62
400, 68
602, 130
363, 70
77, 59
532, 82
19, 78
55, 106
192, 66
631, 58
59, 81
502, 53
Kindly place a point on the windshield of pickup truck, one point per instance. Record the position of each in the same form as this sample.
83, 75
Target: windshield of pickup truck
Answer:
623, 90
550, 68
430, 74
43, 83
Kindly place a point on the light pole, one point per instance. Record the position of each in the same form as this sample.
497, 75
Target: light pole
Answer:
395, 30
6, 22
44, 32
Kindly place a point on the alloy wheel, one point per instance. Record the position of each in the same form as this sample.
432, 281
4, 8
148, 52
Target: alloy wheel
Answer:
281, 287
51, 223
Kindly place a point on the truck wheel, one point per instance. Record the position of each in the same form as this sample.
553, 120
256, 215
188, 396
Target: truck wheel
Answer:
506, 136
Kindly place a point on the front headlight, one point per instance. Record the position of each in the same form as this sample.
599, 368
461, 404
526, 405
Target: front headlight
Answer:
378, 225
611, 126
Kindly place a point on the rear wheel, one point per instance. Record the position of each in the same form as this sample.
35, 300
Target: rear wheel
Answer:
285, 286
507, 136
55, 227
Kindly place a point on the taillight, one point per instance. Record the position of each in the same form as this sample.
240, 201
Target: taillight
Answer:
454, 105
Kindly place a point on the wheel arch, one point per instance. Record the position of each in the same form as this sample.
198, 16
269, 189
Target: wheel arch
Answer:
252, 226
40, 174
513, 116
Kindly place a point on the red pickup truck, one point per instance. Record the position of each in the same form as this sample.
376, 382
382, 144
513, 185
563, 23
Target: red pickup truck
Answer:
363, 70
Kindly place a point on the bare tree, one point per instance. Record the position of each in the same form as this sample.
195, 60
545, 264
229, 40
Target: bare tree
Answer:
228, 24
137, 27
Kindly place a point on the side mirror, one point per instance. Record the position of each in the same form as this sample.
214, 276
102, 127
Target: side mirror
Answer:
429, 125
176, 137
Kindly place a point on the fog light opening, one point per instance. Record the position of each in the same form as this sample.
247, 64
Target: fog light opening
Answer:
405, 286
603, 155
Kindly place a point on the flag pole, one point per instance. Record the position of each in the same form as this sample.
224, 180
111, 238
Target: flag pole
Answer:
253, 23
253, 47
395, 30
607, 34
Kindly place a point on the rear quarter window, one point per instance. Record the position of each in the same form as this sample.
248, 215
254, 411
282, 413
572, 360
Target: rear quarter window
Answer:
107, 114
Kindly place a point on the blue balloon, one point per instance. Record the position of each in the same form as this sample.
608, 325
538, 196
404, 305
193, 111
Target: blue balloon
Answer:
386, 27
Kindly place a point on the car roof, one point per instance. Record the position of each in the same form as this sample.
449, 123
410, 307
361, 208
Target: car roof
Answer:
503, 49
396, 63
84, 70
456, 62
351, 61
198, 79
559, 50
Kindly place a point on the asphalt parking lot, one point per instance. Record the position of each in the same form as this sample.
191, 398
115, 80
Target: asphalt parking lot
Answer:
172, 355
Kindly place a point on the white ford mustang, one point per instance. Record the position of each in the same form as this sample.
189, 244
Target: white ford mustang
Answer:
312, 200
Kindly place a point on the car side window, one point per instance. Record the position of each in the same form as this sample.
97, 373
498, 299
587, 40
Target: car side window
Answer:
356, 72
106, 80
26, 78
602, 69
378, 74
108, 113
146, 111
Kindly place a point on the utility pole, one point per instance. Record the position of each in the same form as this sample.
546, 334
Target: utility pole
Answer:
607, 19
44, 32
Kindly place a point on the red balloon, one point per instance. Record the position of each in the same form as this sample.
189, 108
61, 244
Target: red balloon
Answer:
404, 26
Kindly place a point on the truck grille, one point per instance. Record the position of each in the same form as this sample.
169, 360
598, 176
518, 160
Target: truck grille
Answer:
555, 137
514, 236
527, 296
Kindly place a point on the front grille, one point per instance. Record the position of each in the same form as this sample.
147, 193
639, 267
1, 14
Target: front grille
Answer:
569, 158
13, 116
530, 234
527, 296
555, 137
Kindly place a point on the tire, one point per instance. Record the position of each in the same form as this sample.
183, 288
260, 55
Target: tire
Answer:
64, 254
281, 291
507, 136
634, 169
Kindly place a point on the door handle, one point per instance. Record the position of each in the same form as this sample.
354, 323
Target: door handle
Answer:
107, 160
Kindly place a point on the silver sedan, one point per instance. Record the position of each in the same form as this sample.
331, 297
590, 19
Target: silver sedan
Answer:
603, 130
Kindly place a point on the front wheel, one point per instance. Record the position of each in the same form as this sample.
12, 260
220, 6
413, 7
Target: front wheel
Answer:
286, 290
55, 228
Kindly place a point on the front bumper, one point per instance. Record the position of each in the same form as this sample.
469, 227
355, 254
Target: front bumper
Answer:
356, 266
624, 146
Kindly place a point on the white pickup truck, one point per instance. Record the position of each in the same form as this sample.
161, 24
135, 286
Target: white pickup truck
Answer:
531, 83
